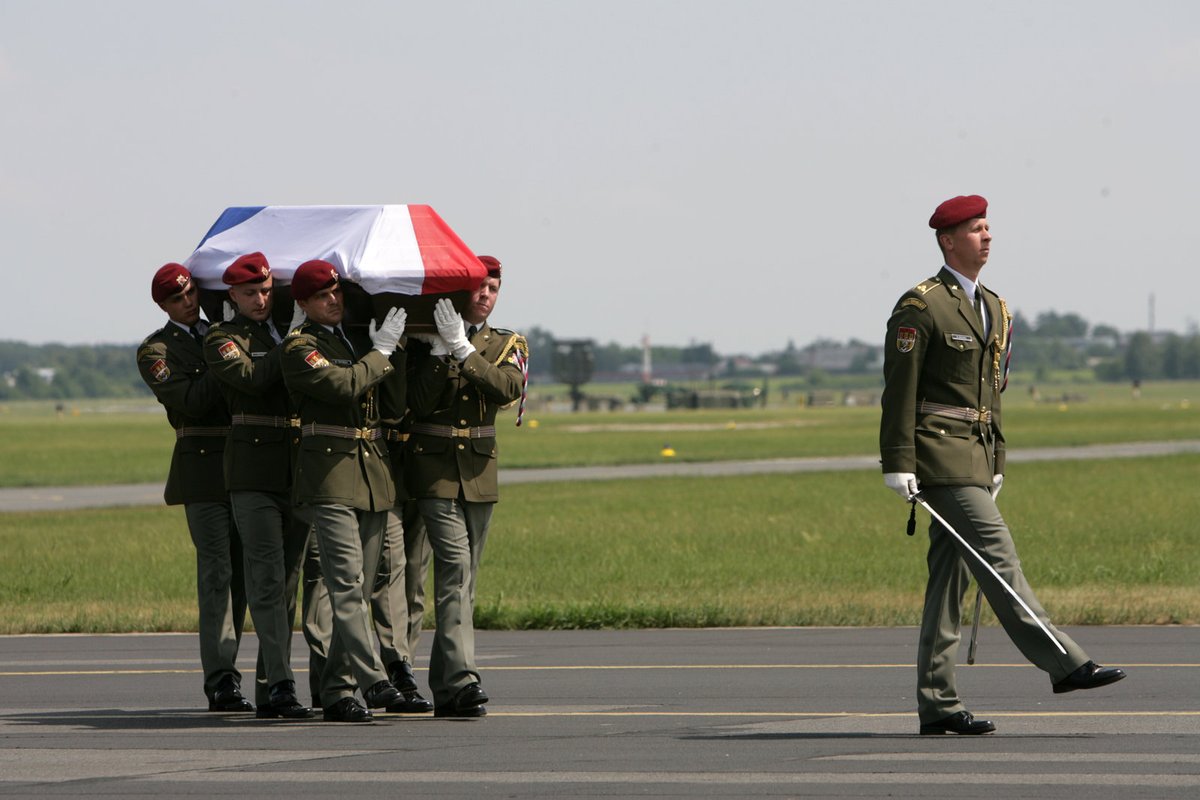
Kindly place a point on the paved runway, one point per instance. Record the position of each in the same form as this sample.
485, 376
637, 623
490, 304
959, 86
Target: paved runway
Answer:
663, 713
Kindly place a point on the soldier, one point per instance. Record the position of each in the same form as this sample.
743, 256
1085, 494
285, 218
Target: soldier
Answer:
940, 436
452, 471
343, 478
244, 355
171, 361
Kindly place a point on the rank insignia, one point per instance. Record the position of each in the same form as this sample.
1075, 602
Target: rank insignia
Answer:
316, 360
229, 351
906, 339
160, 370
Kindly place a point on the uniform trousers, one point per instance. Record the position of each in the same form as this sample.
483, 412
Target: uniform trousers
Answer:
317, 616
972, 512
457, 531
220, 590
398, 601
349, 540
273, 543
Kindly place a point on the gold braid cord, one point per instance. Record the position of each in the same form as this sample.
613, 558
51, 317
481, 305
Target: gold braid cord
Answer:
515, 342
1000, 342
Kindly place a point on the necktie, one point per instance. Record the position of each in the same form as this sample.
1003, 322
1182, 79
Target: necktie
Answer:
471, 331
337, 330
196, 335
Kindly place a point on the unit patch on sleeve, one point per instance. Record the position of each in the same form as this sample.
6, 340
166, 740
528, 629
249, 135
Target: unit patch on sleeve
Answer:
906, 339
316, 360
229, 351
160, 370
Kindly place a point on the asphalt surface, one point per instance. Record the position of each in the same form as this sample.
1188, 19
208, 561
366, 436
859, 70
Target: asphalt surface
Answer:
52, 498
814, 712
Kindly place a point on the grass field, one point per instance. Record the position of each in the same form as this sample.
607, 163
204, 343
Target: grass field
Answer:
1101, 544
131, 443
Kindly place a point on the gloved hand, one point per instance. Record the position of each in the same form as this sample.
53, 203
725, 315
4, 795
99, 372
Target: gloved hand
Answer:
437, 345
298, 317
389, 332
902, 483
450, 325
227, 312
997, 485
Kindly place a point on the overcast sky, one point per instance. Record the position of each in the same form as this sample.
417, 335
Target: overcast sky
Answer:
741, 173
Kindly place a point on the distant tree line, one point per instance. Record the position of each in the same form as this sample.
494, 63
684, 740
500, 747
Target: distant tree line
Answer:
1050, 342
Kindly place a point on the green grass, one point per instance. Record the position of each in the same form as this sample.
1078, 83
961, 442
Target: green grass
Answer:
1100, 543
117, 443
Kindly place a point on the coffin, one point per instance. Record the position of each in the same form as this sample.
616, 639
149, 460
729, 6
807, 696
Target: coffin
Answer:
387, 255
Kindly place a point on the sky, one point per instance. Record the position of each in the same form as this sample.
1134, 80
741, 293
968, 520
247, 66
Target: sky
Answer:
739, 173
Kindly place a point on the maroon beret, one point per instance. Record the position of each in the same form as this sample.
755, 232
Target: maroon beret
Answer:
311, 277
170, 279
956, 210
250, 268
493, 265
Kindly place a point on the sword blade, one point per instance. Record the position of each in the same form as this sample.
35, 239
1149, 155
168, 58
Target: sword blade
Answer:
990, 569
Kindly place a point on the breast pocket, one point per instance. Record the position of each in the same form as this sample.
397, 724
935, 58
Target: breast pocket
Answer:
960, 358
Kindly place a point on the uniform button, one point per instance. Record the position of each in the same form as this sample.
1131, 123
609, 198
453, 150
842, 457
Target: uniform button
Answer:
462, 447
364, 405
203, 452
462, 422
366, 455
465, 397
328, 449
256, 441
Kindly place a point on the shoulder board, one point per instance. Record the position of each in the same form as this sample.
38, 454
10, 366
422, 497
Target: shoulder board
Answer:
147, 340
926, 286
146, 349
296, 338
503, 331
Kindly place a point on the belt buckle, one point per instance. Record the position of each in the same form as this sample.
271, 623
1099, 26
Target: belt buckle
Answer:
462, 433
362, 433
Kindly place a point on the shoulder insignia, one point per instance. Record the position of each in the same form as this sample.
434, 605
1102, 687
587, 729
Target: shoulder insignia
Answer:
316, 360
926, 286
160, 370
146, 350
229, 351
906, 339
915, 302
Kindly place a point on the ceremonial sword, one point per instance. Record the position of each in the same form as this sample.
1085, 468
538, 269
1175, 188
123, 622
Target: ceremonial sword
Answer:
990, 569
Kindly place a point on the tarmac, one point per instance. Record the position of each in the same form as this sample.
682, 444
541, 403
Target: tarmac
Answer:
751, 712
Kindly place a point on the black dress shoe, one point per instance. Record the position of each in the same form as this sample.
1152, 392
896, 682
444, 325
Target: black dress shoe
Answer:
283, 704
382, 695
451, 711
963, 723
400, 673
402, 677
347, 710
470, 696
228, 697
1089, 676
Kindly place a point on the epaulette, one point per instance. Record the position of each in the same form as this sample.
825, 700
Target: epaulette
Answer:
927, 285
515, 342
146, 341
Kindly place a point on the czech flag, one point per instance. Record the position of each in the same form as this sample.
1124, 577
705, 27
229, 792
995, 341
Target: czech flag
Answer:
401, 249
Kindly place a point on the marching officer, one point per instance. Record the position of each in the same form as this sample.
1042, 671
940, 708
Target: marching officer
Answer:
940, 436
452, 471
343, 477
243, 353
171, 362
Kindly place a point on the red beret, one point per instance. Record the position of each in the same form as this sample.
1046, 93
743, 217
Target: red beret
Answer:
250, 268
493, 265
311, 277
170, 279
956, 210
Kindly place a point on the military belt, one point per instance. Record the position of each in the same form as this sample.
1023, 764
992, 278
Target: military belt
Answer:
450, 432
393, 435
965, 413
340, 432
263, 421
198, 430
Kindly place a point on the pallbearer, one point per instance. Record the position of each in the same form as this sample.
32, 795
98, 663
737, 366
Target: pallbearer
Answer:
171, 362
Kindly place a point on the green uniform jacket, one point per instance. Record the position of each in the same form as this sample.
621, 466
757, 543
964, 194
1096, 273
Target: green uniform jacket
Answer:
935, 352
172, 365
331, 389
466, 395
245, 359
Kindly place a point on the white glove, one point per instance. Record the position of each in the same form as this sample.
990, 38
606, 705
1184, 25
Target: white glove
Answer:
298, 317
450, 325
388, 334
902, 483
997, 485
227, 312
437, 345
